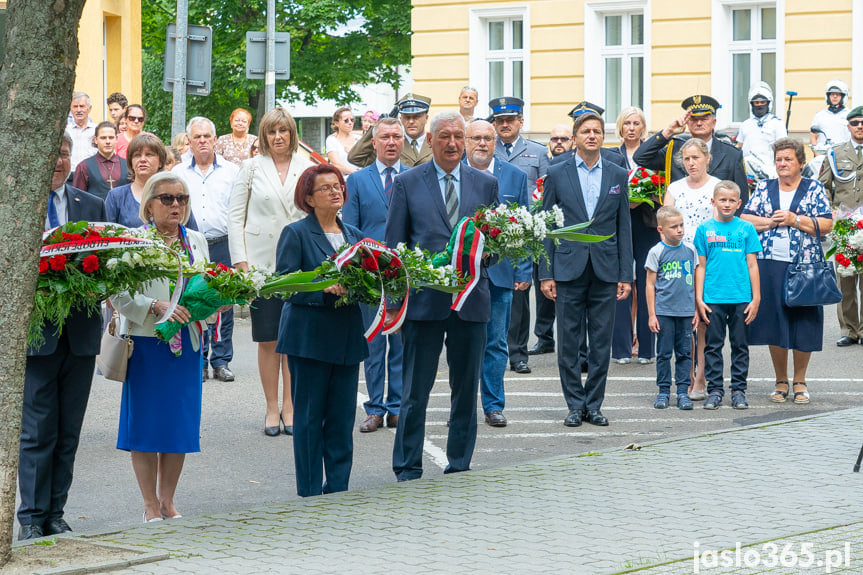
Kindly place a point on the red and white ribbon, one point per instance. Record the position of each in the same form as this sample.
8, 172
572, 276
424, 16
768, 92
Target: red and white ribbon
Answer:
474, 260
374, 249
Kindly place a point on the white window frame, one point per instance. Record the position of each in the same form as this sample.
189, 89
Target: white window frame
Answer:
595, 52
478, 54
722, 62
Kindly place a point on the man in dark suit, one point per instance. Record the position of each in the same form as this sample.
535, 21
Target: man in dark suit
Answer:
585, 279
57, 383
503, 278
662, 150
529, 157
369, 192
413, 111
426, 204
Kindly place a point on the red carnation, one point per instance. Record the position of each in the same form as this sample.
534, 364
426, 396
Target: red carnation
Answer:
484, 228
66, 236
661, 179
57, 263
843, 260
860, 258
633, 182
369, 264
223, 267
76, 237
391, 273
860, 224
212, 273
643, 172
494, 232
478, 215
655, 179
43, 265
395, 264
93, 234
512, 219
90, 263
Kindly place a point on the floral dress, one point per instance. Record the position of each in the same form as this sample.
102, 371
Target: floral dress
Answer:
694, 204
233, 151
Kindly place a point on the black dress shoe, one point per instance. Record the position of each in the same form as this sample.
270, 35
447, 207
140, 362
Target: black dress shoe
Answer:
56, 526
846, 341
540, 349
495, 419
222, 373
289, 429
573, 419
29, 532
594, 417
520, 367
272, 431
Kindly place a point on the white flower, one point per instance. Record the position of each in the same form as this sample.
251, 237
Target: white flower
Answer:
558, 215
856, 241
846, 271
127, 258
112, 263
136, 257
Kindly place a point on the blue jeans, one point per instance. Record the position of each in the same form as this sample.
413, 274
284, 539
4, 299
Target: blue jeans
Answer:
724, 315
381, 366
675, 336
223, 350
494, 359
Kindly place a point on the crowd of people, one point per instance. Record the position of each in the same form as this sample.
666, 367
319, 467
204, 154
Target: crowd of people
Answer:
706, 262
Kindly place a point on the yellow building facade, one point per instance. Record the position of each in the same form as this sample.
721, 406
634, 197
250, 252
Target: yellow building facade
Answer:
109, 59
648, 53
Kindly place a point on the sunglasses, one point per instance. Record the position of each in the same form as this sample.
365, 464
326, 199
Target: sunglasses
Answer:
855, 123
559, 140
134, 118
168, 199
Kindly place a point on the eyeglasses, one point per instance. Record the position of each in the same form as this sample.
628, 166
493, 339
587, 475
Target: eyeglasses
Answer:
855, 123
348, 120
328, 189
134, 118
559, 140
169, 199
478, 139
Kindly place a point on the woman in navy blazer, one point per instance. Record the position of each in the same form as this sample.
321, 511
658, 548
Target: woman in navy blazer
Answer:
324, 343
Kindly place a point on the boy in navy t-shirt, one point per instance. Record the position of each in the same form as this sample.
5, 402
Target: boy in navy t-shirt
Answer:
670, 293
727, 292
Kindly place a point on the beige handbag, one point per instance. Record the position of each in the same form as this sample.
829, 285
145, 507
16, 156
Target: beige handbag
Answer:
114, 354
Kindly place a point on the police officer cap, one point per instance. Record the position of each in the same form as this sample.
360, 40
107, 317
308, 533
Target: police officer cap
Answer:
506, 106
413, 104
855, 113
700, 105
585, 108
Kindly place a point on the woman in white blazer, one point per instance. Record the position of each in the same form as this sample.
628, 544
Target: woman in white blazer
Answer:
262, 204
160, 412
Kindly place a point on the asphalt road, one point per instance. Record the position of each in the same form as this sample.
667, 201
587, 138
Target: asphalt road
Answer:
239, 467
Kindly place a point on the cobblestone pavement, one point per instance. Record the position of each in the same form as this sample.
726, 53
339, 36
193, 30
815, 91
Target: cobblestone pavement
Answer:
648, 510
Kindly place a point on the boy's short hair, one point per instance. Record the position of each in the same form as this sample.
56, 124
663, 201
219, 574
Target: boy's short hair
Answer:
727, 185
665, 213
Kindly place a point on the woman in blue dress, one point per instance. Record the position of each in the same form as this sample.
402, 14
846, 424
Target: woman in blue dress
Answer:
160, 412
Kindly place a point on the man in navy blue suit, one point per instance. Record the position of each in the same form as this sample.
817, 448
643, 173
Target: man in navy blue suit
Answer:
369, 192
426, 204
503, 278
584, 279
57, 382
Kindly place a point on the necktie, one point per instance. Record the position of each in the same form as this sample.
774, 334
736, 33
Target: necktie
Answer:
508, 149
414, 146
451, 200
859, 153
53, 220
388, 181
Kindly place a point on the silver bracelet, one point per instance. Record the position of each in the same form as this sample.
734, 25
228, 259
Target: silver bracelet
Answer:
153, 306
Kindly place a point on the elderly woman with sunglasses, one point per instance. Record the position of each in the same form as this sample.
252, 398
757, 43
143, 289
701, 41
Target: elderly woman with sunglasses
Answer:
325, 361
160, 411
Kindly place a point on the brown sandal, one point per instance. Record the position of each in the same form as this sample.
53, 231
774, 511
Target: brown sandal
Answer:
779, 396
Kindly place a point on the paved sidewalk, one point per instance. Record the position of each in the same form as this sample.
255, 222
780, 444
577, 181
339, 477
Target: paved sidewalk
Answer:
648, 509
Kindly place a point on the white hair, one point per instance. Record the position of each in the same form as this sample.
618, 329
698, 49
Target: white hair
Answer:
445, 118
201, 120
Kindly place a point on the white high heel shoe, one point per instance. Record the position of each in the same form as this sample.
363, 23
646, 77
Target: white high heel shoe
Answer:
150, 520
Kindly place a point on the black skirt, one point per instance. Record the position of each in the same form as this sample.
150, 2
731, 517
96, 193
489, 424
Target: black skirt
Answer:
798, 328
265, 314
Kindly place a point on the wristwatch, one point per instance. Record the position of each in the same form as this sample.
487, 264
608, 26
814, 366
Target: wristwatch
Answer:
798, 222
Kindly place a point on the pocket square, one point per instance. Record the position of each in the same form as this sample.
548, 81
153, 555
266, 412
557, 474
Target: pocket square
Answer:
614, 190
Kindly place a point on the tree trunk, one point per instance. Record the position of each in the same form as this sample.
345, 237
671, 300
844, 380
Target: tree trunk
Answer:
36, 82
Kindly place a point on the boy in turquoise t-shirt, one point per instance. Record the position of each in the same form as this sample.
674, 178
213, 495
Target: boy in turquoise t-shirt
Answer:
727, 292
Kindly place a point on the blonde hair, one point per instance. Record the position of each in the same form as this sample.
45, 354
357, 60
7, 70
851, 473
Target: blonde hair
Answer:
697, 143
728, 185
627, 112
271, 120
665, 213
151, 189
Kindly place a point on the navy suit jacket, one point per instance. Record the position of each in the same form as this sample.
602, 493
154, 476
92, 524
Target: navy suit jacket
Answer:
611, 259
311, 325
367, 204
417, 216
84, 331
511, 188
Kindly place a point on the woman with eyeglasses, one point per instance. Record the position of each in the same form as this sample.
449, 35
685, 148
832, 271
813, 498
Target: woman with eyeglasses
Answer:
325, 359
262, 204
340, 142
134, 118
147, 156
160, 417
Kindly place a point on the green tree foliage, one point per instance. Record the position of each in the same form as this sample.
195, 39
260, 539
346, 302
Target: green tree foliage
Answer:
326, 58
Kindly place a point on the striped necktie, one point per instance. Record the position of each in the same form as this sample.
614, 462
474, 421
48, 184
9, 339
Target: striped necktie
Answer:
859, 153
451, 200
414, 146
53, 220
388, 181
508, 149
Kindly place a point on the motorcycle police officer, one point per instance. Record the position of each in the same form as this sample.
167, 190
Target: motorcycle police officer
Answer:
758, 132
829, 125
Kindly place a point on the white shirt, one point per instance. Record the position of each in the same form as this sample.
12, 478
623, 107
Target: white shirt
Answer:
834, 126
757, 135
82, 142
210, 193
781, 250
489, 169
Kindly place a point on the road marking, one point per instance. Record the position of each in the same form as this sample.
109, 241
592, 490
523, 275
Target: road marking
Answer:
574, 433
653, 379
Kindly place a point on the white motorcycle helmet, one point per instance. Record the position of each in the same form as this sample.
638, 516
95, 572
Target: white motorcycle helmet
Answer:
836, 87
763, 90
